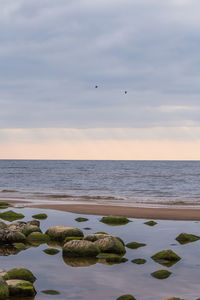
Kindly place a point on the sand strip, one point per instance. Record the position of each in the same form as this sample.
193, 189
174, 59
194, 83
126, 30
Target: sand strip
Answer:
134, 212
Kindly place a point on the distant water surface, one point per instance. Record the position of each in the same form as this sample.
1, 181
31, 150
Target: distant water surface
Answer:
129, 183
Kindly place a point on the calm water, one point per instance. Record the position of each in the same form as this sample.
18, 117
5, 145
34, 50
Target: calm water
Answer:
102, 182
95, 280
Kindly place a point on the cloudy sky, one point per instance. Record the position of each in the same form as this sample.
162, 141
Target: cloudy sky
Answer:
54, 52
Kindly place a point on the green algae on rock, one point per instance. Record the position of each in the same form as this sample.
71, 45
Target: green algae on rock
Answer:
166, 258
38, 236
59, 233
87, 228
80, 248
20, 246
4, 204
20, 288
139, 261
4, 291
11, 236
185, 238
40, 216
50, 292
11, 216
126, 297
28, 229
72, 238
81, 219
110, 244
161, 274
150, 223
114, 220
112, 258
51, 251
135, 245
20, 273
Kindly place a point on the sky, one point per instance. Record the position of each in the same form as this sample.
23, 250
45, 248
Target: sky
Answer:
54, 52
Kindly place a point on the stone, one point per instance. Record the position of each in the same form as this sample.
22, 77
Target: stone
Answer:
20, 288
150, 223
126, 297
11, 216
110, 244
80, 249
50, 292
112, 258
114, 220
40, 216
28, 229
20, 273
173, 298
135, 245
4, 290
72, 238
38, 237
80, 219
51, 251
3, 225
9, 236
166, 258
185, 238
139, 261
4, 204
161, 274
59, 233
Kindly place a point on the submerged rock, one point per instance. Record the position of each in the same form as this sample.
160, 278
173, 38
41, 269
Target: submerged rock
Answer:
20, 273
166, 258
110, 244
139, 261
4, 204
11, 216
126, 297
161, 274
20, 288
80, 249
50, 292
185, 238
59, 233
135, 245
114, 220
150, 223
51, 251
80, 219
4, 291
112, 258
40, 216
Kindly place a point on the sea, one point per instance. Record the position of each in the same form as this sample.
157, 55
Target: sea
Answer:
123, 183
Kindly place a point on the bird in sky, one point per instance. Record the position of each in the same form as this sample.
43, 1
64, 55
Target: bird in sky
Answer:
96, 86
125, 92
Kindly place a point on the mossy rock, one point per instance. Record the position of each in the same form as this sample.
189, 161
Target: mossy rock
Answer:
20, 288
20, 246
87, 228
50, 292
14, 236
166, 258
51, 251
4, 204
100, 235
40, 216
185, 238
28, 229
139, 261
4, 290
126, 297
11, 216
101, 232
3, 225
135, 245
114, 220
110, 244
161, 274
150, 223
173, 298
20, 273
80, 219
112, 258
59, 233
39, 237
80, 249
72, 238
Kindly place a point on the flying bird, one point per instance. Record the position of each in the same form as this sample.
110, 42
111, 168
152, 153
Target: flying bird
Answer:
96, 86
125, 92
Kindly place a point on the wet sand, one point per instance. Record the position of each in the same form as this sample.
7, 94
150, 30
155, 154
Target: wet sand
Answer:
134, 212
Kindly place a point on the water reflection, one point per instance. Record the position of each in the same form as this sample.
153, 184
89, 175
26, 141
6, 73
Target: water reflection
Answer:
6, 250
80, 261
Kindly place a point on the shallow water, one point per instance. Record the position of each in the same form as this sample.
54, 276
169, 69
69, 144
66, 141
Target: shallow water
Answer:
103, 182
91, 280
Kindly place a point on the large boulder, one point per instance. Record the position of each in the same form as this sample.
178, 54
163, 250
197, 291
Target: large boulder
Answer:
110, 244
20, 288
59, 233
4, 291
80, 248
20, 273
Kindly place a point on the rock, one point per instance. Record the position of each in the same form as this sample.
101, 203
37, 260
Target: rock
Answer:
126, 297
4, 204
11, 216
9, 236
110, 244
20, 288
20, 273
80, 249
50, 292
51, 251
161, 274
135, 245
20, 246
112, 258
34, 223
166, 258
139, 261
185, 238
72, 238
6, 250
38, 237
115, 220
150, 223
28, 229
40, 216
80, 219
95, 237
59, 233
4, 291
173, 298
87, 228
2, 273
3, 225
